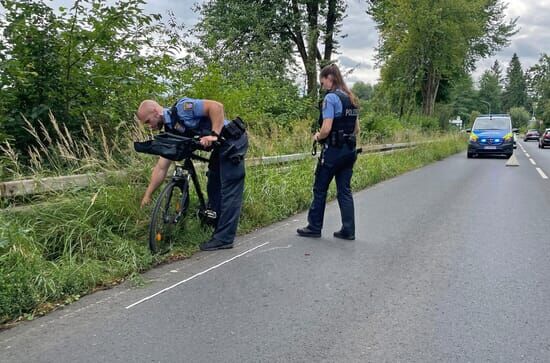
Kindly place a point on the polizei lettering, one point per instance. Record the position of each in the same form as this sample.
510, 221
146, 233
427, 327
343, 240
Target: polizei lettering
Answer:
351, 112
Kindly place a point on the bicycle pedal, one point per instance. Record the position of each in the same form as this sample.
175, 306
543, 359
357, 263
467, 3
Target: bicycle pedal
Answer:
209, 213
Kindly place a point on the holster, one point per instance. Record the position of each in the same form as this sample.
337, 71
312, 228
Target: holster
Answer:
233, 154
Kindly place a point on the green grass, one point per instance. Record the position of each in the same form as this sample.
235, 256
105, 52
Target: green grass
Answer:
81, 241
64, 154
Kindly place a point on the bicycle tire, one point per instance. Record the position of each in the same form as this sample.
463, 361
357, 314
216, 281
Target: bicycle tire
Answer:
170, 207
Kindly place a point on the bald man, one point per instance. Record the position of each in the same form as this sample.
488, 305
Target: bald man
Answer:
205, 118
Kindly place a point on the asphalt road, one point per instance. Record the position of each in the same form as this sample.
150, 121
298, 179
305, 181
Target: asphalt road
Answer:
541, 157
451, 264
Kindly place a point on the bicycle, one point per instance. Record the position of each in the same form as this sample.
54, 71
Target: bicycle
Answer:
172, 203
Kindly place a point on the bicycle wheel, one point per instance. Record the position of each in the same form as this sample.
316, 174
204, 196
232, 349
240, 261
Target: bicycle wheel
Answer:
170, 208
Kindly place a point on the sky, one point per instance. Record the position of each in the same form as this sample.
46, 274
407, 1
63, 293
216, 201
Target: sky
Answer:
357, 48
532, 39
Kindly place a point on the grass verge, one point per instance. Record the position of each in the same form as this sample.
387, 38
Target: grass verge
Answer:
81, 241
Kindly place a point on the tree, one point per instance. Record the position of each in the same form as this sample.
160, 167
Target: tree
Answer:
30, 77
93, 60
539, 86
515, 92
425, 41
270, 31
520, 117
490, 90
362, 90
496, 69
463, 97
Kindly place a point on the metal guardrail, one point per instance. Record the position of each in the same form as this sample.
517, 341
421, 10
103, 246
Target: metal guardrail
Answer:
266, 160
51, 184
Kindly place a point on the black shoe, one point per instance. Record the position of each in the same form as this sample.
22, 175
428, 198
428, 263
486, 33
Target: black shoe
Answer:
307, 232
343, 235
213, 244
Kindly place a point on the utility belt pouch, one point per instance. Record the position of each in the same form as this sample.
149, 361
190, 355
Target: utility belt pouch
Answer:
234, 129
336, 138
240, 124
333, 139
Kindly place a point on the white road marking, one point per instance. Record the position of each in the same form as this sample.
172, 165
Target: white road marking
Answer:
542, 173
527, 155
195, 275
269, 250
532, 161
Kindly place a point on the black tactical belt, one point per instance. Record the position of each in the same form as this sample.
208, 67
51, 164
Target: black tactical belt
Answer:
339, 139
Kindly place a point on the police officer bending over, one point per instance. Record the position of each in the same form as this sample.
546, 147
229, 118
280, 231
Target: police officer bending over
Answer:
339, 126
205, 118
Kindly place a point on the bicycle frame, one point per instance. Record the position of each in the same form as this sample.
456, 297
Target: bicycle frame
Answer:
188, 166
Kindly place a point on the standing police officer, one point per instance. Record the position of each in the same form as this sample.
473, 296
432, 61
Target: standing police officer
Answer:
205, 118
339, 125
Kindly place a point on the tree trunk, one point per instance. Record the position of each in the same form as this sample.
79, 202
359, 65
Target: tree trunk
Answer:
312, 39
329, 31
430, 86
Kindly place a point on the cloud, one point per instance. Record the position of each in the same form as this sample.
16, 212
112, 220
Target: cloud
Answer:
182, 9
357, 48
353, 63
531, 40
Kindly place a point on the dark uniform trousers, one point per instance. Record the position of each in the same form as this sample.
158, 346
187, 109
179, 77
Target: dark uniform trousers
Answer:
334, 162
225, 186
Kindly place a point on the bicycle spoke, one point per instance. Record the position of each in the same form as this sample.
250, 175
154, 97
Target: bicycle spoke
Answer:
170, 207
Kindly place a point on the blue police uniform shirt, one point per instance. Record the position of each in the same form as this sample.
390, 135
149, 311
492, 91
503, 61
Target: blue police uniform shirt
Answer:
191, 111
332, 106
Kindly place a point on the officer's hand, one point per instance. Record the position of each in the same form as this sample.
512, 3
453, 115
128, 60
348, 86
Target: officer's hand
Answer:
316, 136
146, 200
206, 141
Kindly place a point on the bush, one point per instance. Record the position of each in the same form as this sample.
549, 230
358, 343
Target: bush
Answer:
257, 98
425, 123
377, 128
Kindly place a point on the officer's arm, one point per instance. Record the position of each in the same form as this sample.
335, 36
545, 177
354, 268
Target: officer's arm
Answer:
157, 177
214, 111
356, 131
325, 128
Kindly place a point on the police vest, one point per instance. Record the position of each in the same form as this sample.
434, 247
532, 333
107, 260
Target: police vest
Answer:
347, 120
201, 127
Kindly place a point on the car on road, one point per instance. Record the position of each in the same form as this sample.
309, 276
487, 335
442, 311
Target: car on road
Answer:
532, 134
491, 135
544, 139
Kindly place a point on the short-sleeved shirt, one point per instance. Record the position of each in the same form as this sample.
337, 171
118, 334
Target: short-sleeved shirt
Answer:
332, 106
191, 111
